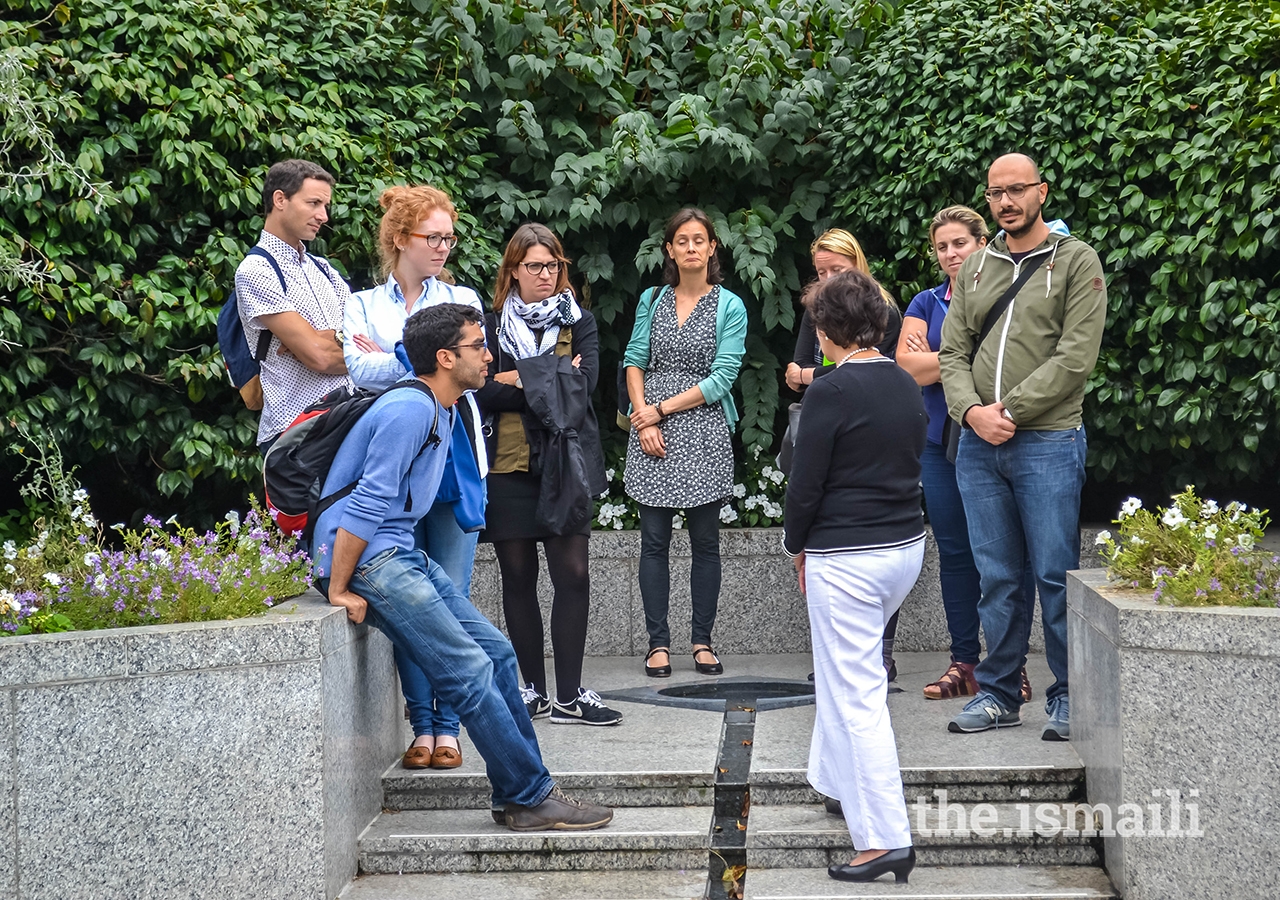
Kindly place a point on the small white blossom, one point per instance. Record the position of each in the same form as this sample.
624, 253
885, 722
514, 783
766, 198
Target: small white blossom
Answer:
91, 558
53, 578
1136, 541
161, 558
9, 569
172, 520
1244, 541
777, 477
79, 495
119, 526
1173, 518
762, 484
739, 491
1102, 538
77, 512
768, 471
677, 522
752, 502
609, 473
727, 514
1130, 506
10, 550
8, 603
233, 520
617, 525
1208, 508
1210, 532
89, 521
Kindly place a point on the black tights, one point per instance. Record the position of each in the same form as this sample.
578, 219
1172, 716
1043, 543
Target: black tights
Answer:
567, 565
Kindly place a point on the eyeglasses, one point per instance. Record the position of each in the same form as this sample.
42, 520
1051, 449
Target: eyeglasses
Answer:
1015, 191
435, 240
478, 345
537, 268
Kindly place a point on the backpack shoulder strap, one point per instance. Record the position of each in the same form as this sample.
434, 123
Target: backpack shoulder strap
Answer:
264, 339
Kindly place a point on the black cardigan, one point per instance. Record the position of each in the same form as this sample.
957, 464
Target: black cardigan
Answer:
855, 476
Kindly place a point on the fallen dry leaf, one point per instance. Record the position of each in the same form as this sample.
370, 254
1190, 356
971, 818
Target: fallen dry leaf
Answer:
741, 827
732, 878
746, 743
746, 805
722, 769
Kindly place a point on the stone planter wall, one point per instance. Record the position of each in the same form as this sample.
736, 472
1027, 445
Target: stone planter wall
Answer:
761, 608
224, 759
1167, 703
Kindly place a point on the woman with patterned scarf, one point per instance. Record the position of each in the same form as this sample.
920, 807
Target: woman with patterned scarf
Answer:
535, 312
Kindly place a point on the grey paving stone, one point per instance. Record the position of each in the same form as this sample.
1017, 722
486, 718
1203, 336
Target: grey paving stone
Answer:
938, 883
631, 885
469, 841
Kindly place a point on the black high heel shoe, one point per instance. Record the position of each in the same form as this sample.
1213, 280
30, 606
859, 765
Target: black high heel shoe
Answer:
715, 668
658, 671
900, 862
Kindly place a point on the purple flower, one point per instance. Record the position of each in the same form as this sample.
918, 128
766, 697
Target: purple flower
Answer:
118, 606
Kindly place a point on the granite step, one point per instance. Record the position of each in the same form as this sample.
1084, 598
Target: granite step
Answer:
938, 883
403, 789
426, 841
963, 784
787, 837
628, 885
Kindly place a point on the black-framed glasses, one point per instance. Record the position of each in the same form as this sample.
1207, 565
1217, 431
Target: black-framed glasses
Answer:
1015, 191
537, 268
478, 345
435, 240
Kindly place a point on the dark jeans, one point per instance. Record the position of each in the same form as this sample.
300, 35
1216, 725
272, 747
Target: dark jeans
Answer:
1023, 502
655, 570
961, 589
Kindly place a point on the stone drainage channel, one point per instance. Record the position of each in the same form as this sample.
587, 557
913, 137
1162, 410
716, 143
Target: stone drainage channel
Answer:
740, 698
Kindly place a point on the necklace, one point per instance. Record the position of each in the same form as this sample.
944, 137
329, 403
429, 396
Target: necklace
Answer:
851, 354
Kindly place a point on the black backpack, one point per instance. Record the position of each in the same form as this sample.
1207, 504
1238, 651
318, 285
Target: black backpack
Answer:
295, 468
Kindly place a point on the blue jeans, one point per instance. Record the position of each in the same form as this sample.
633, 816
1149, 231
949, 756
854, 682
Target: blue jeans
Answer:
961, 589
1023, 504
454, 550
473, 668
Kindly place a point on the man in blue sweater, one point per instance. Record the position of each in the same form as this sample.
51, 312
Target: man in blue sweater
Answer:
365, 562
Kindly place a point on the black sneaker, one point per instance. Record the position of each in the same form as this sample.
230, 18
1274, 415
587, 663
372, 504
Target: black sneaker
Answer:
538, 705
588, 709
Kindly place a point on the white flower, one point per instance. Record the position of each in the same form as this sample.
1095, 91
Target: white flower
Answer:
53, 578
768, 471
161, 558
91, 558
777, 477
677, 522
8, 603
617, 525
609, 473
1136, 541
728, 515
77, 512
233, 520
1173, 518
9, 569
1210, 532
119, 526
10, 550
89, 521
1130, 506
172, 520
79, 495
739, 491
1244, 541
752, 502
762, 484
1208, 508
1102, 538
35, 551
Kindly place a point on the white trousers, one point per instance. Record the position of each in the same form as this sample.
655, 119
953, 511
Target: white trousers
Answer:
852, 756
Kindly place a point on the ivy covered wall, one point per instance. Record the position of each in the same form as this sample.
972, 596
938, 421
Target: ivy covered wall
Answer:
1154, 122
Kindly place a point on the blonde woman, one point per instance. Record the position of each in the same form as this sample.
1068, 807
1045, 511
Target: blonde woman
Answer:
835, 251
955, 233
414, 241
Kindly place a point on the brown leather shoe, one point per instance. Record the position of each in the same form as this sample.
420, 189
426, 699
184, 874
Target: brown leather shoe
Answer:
957, 681
1026, 686
558, 813
446, 758
416, 758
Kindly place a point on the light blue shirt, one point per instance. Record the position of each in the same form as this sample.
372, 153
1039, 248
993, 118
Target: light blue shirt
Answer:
379, 314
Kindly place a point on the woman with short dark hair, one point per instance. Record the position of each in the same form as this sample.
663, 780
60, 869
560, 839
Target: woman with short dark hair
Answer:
854, 528
682, 361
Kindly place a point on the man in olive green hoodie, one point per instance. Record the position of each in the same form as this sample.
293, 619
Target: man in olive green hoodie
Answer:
1020, 466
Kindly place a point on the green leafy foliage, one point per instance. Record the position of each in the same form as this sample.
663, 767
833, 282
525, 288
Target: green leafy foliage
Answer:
1156, 127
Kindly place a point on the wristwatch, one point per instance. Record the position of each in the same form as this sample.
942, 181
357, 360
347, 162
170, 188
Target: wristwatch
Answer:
339, 336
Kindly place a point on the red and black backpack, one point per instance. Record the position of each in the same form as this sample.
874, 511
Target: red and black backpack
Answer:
295, 468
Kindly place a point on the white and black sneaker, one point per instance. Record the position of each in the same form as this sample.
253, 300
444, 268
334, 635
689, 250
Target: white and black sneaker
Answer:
588, 709
539, 706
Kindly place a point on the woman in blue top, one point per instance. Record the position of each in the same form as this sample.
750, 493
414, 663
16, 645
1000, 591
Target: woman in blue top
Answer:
955, 232
681, 363
414, 240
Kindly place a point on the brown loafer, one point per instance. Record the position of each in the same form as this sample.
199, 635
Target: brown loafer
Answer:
416, 758
446, 758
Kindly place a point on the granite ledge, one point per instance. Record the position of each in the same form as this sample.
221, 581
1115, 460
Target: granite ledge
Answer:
297, 629
1131, 619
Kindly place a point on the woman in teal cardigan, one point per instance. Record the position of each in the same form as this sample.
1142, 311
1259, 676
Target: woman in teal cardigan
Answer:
681, 363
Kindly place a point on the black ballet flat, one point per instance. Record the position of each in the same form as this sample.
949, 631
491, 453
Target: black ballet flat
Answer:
715, 668
900, 862
658, 671
832, 806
